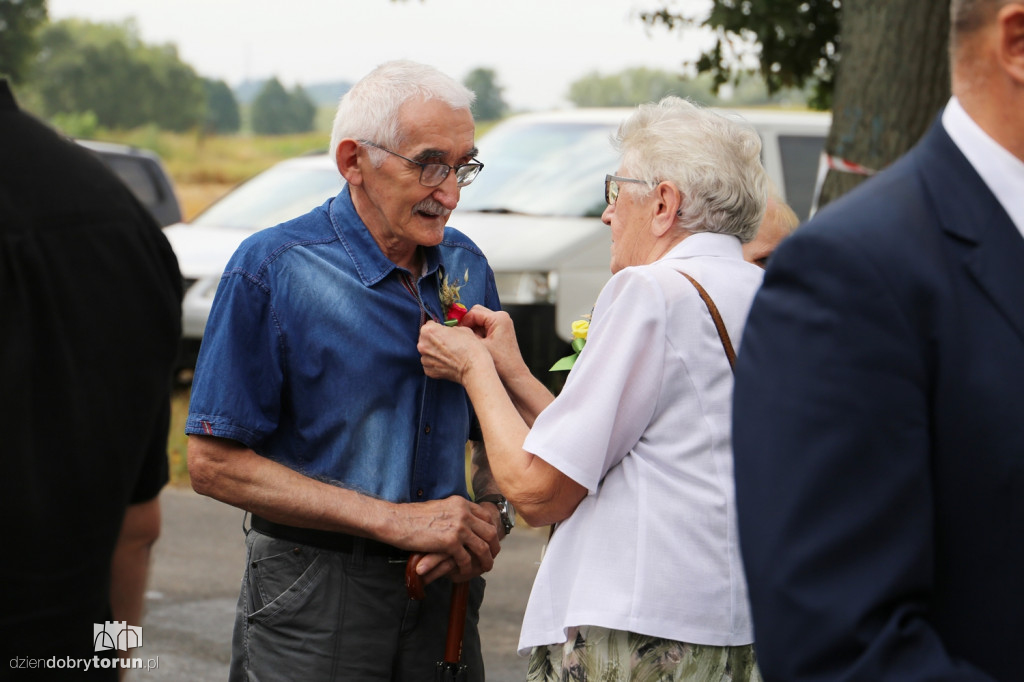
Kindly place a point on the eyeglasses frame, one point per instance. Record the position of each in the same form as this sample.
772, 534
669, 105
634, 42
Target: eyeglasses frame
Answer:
609, 180
423, 166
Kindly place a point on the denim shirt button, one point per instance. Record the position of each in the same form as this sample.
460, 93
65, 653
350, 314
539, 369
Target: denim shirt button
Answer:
419, 493
426, 429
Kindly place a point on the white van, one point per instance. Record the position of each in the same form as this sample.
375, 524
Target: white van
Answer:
535, 210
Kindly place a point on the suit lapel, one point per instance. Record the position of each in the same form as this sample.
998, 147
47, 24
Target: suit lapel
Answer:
989, 244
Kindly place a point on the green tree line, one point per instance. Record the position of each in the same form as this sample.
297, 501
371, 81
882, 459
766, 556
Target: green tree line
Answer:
86, 74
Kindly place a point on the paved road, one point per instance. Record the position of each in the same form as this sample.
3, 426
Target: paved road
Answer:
197, 568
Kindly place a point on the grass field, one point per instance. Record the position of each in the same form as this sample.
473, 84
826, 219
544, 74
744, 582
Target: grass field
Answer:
204, 168
176, 439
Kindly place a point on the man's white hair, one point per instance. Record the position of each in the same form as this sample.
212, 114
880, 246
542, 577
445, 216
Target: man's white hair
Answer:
369, 111
715, 161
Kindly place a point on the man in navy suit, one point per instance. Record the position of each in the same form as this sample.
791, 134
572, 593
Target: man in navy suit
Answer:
879, 403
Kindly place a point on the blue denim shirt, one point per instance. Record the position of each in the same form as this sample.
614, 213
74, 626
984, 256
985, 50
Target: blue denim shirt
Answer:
309, 357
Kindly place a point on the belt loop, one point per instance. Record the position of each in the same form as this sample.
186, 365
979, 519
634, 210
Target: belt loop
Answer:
245, 530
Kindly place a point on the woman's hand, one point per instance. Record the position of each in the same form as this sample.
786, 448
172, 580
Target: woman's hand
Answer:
499, 337
450, 352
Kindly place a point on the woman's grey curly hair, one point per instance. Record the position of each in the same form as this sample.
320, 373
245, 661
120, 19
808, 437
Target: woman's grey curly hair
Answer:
713, 159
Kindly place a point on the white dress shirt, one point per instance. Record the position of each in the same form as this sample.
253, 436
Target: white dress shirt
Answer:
998, 167
643, 423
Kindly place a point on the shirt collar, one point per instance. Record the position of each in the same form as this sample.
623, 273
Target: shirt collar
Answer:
370, 262
707, 244
1001, 171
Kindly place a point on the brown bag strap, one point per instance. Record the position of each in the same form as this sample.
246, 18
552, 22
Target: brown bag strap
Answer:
723, 333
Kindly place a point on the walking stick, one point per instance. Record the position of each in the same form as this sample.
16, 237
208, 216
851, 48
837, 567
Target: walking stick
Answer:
449, 669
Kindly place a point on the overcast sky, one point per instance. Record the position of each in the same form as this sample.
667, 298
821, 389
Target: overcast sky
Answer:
536, 47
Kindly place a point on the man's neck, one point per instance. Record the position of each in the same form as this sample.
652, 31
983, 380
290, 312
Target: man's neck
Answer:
402, 254
996, 105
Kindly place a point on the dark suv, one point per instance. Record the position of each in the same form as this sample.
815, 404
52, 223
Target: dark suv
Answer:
145, 176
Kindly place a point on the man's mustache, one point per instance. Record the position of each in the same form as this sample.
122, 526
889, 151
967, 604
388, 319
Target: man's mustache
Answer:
432, 207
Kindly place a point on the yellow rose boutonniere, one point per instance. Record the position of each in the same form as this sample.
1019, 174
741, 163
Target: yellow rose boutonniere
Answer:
580, 329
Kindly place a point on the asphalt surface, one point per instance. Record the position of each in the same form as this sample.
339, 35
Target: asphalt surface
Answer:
197, 568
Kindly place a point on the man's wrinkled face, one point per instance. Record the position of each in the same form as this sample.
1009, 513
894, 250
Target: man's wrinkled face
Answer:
403, 214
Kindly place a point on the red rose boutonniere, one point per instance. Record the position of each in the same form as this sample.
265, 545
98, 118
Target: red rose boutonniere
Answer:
455, 314
453, 310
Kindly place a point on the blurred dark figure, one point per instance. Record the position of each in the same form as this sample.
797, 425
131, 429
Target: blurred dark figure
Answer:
90, 298
877, 426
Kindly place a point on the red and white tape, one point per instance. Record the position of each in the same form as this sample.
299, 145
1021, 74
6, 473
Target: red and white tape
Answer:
843, 166
830, 162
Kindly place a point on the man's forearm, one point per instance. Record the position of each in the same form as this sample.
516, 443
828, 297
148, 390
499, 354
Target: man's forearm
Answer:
236, 475
231, 473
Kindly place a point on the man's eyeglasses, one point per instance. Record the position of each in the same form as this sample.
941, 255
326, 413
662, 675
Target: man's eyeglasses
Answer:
433, 174
611, 187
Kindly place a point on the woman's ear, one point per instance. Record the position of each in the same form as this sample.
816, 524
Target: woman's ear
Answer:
347, 158
668, 201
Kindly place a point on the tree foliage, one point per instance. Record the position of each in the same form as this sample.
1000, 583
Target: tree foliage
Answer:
19, 20
489, 105
222, 114
275, 111
881, 66
106, 69
791, 43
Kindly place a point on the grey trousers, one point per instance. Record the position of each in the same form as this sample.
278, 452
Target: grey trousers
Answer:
312, 614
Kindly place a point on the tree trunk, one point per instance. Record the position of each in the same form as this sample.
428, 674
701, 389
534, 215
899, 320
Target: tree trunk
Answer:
891, 81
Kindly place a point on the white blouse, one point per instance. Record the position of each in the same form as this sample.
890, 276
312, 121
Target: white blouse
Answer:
643, 423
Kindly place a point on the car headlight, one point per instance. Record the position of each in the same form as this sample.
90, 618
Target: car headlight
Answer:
526, 288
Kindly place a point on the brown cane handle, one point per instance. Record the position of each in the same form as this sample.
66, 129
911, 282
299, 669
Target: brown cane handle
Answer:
456, 612
456, 622
414, 581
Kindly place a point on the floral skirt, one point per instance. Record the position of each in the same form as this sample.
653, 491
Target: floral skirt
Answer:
594, 654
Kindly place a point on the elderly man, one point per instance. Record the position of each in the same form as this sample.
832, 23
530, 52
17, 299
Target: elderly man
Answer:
879, 449
310, 409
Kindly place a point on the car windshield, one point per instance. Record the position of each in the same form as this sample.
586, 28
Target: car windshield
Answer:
276, 195
551, 169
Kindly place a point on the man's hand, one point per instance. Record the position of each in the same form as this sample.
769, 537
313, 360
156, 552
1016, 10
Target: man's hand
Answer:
438, 564
499, 337
459, 537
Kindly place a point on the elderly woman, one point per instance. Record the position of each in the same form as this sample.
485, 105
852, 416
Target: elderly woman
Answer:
633, 459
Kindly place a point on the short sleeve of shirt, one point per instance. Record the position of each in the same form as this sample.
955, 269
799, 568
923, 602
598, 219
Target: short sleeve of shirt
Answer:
241, 339
154, 474
611, 393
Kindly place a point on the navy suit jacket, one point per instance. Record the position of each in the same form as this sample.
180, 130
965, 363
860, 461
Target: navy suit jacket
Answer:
879, 434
